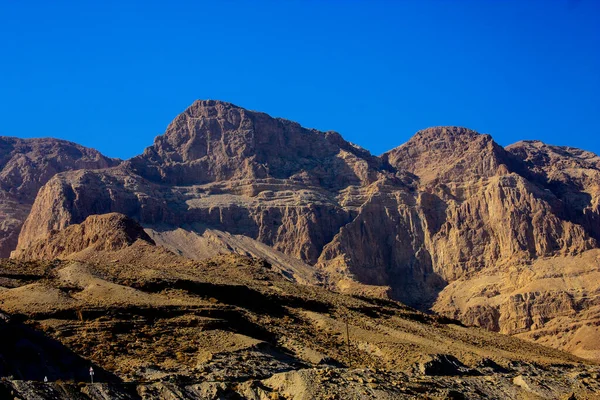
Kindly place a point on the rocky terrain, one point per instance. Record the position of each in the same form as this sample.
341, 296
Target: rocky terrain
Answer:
449, 221
524, 220
154, 324
506, 239
26, 165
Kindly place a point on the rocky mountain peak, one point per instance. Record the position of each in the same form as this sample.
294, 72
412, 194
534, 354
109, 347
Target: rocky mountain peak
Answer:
451, 153
447, 133
215, 141
539, 155
571, 174
26, 164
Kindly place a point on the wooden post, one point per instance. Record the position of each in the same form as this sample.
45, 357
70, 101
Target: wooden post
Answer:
348, 339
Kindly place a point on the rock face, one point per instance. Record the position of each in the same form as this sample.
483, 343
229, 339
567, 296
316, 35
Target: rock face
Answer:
26, 165
448, 207
492, 212
106, 232
551, 301
516, 234
572, 175
452, 154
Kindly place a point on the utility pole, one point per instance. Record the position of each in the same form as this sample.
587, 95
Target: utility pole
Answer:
348, 339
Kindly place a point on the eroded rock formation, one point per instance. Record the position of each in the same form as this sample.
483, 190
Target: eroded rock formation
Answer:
106, 232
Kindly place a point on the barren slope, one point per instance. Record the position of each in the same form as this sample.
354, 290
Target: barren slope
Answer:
234, 326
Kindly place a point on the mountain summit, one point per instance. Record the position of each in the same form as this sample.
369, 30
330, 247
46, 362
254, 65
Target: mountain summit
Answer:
216, 141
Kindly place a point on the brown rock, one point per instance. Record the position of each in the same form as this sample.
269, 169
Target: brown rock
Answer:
26, 165
106, 232
450, 153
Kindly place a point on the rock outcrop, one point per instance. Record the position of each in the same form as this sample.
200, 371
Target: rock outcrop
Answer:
448, 207
26, 165
106, 232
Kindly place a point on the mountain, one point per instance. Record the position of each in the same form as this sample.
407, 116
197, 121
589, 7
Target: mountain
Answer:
25, 166
518, 246
503, 238
154, 324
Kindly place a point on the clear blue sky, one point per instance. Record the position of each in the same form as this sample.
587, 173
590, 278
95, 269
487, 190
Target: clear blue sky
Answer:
113, 74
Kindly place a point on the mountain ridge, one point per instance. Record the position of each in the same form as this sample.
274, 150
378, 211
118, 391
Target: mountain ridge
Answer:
450, 205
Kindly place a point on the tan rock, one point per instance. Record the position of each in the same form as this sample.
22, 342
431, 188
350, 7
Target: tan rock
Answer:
450, 219
106, 232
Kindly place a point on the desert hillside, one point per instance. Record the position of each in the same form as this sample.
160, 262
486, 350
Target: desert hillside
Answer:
154, 324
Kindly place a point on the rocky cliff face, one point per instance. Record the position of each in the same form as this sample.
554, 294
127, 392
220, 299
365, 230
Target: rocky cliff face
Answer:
448, 206
572, 175
516, 222
26, 165
550, 300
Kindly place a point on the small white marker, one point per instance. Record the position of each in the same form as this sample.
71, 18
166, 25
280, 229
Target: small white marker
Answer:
92, 374
46, 379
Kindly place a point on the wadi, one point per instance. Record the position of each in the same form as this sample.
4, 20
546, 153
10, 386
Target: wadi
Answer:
245, 256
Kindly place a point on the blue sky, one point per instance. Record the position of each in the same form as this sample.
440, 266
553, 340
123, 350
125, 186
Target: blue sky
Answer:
113, 74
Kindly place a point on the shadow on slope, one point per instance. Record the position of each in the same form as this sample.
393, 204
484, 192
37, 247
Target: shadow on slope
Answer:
28, 354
